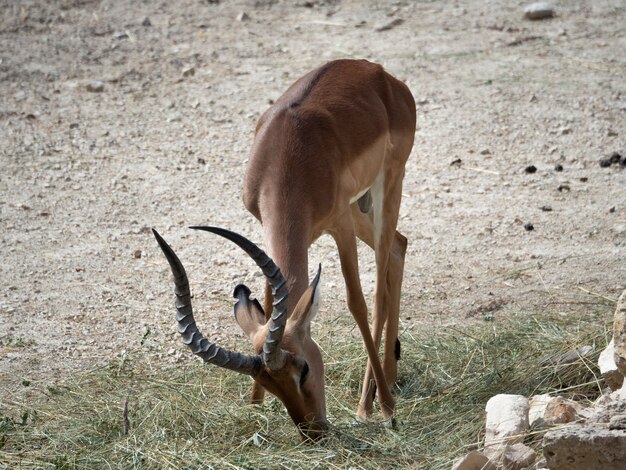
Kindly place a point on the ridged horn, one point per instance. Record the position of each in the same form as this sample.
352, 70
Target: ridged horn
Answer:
192, 337
273, 355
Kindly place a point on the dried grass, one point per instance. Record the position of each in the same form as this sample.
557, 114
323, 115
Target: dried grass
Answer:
195, 416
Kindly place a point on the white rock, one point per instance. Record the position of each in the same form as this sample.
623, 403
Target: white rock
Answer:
473, 461
507, 420
608, 368
538, 11
537, 410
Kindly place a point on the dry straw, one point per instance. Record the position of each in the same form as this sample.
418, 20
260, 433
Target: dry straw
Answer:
133, 414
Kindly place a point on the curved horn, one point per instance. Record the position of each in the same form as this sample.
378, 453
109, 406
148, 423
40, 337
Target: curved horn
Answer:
272, 353
208, 351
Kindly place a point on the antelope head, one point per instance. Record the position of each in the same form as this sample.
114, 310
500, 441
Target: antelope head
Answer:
287, 363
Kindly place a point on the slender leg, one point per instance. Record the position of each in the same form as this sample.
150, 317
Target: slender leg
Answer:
344, 236
364, 227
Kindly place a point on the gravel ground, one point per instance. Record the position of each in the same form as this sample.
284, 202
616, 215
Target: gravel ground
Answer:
118, 116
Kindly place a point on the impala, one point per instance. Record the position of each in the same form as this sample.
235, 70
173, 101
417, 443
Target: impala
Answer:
328, 157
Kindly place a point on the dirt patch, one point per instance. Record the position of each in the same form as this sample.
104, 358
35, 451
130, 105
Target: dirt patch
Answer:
120, 116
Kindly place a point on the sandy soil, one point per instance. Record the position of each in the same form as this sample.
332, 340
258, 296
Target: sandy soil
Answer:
84, 174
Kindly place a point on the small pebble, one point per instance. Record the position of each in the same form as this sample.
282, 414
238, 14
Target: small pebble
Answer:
584, 179
546, 208
615, 158
563, 187
189, 72
392, 24
605, 162
558, 167
530, 169
137, 254
538, 11
243, 16
529, 227
120, 35
612, 210
146, 22
95, 86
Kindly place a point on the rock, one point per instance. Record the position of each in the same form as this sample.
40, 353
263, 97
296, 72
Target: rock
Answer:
608, 409
485, 152
120, 35
619, 394
473, 461
538, 11
507, 420
618, 422
392, 24
585, 448
137, 254
608, 368
605, 162
95, 86
537, 410
517, 457
615, 158
530, 169
189, 72
547, 411
619, 334
558, 167
559, 411
529, 227
146, 22
243, 16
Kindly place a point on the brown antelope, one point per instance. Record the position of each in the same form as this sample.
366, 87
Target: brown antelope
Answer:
328, 157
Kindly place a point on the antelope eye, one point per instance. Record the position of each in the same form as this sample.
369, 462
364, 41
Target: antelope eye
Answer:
305, 372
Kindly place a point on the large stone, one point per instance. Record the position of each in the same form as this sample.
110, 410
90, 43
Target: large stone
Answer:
546, 411
507, 420
619, 334
559, 411
608, 368
585, 448
473, 461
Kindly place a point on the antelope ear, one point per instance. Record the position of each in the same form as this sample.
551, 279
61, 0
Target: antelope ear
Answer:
307, 306
248, 313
